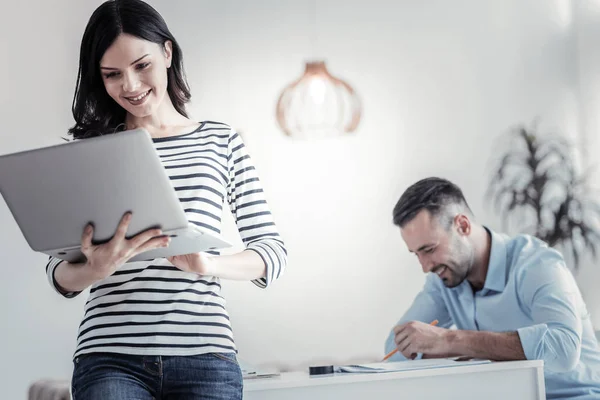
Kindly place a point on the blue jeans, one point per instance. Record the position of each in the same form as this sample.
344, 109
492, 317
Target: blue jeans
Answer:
110, 376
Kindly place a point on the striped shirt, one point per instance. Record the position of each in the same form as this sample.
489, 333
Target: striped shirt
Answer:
153, 308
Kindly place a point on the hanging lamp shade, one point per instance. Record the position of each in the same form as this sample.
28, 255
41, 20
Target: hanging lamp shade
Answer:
318, 105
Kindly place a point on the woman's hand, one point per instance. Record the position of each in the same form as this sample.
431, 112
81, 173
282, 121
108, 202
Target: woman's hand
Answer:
198, 263
103, 260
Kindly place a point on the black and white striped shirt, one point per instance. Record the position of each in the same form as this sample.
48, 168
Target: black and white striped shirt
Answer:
153, 308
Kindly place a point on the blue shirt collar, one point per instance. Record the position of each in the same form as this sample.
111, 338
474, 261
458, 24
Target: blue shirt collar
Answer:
496, 275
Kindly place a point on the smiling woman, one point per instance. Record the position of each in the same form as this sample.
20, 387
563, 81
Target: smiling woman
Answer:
138, 64
138, 86
160, 329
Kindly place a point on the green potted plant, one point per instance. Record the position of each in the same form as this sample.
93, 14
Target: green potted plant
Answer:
536, 185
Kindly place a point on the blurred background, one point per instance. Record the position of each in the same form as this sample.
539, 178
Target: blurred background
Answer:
442, 87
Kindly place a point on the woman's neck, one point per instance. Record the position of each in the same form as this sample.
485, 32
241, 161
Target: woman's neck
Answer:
165, 121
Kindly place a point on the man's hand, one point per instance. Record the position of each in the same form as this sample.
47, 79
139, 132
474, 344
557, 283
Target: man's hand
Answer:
418, 337
198, 263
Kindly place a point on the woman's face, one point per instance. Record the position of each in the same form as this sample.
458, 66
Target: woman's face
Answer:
134, 72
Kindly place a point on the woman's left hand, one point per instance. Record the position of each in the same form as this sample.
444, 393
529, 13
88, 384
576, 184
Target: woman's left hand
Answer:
198, 263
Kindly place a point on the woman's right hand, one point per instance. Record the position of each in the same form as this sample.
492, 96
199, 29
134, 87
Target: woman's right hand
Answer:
104, 259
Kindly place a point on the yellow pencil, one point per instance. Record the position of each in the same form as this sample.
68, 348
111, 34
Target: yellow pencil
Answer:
391, 353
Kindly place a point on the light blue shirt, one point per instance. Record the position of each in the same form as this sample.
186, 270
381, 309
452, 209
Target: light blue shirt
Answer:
528, 289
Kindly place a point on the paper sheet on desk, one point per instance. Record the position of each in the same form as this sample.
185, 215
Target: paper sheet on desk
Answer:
251, 372
259, 374
406, 365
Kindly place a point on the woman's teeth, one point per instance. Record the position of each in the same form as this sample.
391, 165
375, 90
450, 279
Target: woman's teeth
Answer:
141, 96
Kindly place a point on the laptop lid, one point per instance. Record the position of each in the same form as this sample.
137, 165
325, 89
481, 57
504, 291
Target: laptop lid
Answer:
53, 192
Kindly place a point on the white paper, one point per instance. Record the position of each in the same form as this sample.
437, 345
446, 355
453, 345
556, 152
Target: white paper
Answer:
251, 372
408, 365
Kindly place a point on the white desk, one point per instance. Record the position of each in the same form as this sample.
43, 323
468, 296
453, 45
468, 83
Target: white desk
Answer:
523, 380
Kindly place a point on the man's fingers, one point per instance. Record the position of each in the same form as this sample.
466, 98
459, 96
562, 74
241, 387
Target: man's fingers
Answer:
404, 345
407, 349
399, 328
400, 336
403, 341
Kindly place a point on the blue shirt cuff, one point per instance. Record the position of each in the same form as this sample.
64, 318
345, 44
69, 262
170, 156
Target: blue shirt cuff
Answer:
531, 340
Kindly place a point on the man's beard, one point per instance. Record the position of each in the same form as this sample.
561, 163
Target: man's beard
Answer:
458, 270
454, 280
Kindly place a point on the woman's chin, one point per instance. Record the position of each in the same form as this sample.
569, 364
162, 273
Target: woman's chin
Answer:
138, 112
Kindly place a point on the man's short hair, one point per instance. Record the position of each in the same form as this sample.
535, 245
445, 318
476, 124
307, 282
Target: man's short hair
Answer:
436, 195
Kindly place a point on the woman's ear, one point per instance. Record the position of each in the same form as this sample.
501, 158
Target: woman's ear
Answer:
168, 49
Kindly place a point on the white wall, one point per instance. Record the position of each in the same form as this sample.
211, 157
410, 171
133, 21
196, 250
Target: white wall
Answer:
587, 39
439, 80
39, 66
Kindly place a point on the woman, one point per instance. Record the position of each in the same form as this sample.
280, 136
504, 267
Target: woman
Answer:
159, 329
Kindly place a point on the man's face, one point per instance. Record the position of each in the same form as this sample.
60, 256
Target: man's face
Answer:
446, 253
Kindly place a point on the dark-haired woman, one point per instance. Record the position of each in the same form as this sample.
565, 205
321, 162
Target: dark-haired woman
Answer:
160, 329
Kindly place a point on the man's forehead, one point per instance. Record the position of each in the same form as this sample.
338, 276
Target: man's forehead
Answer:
421, 230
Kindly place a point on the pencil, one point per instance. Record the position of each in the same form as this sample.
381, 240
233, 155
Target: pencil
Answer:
391, 353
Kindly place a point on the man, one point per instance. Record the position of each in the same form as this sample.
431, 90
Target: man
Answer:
509, 298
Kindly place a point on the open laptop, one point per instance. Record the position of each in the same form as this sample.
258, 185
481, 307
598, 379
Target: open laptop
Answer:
54, 192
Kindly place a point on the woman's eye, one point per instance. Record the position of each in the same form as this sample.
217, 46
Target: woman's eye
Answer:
143, 65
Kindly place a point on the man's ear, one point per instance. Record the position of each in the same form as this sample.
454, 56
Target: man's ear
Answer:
463, 224
168, 49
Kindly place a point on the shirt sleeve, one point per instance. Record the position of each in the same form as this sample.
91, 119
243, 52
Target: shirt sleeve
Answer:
427, 306
547, 289
53, 262
251, 212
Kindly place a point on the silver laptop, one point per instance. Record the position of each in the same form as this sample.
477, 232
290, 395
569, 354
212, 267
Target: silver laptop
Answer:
54, 192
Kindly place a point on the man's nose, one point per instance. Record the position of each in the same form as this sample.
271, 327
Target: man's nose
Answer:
427, 265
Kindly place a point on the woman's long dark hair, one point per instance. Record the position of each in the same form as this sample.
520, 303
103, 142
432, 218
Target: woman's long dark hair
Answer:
95, 112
